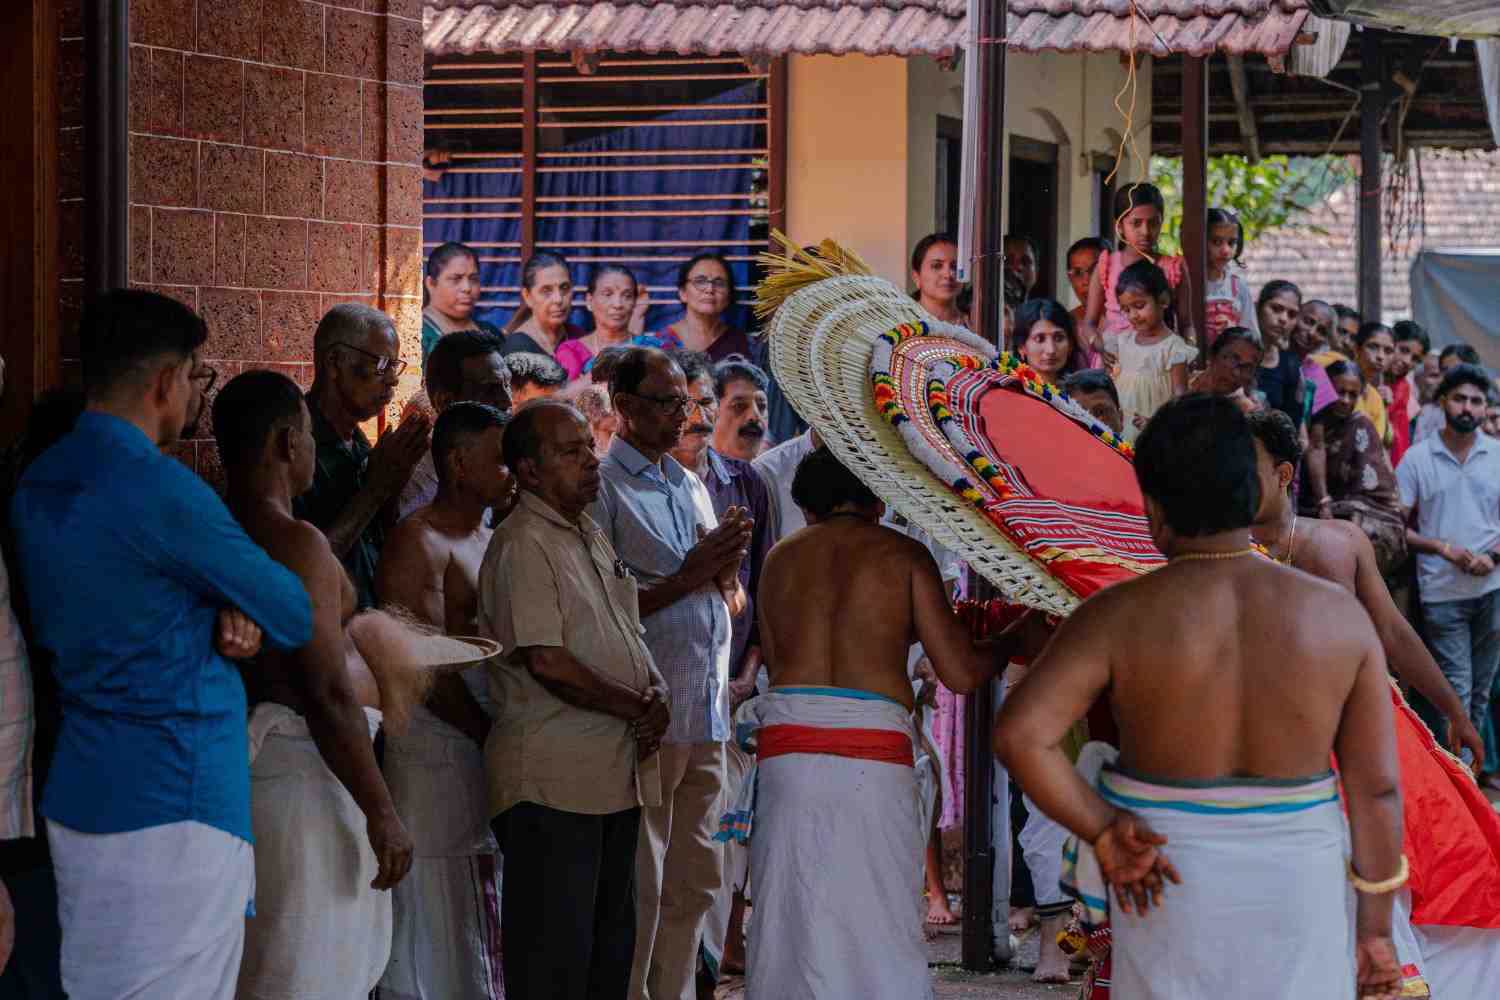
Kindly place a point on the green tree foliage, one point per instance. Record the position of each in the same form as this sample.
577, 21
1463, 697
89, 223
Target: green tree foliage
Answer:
1271, 193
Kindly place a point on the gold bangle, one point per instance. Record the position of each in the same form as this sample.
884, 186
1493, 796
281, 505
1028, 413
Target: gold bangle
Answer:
1391, 884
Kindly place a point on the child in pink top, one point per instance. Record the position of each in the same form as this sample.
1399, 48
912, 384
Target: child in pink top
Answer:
1139, 212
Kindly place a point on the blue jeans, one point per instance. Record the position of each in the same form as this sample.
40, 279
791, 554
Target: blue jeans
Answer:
1464, 637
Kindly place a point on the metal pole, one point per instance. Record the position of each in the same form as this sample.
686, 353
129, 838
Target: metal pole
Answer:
980, 875
1195, 188
106, 138
1371, 104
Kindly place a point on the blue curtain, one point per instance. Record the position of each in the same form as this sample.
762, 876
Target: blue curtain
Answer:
702, 224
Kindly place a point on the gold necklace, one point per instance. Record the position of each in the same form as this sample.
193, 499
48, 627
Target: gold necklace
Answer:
1291, 540
1211, 556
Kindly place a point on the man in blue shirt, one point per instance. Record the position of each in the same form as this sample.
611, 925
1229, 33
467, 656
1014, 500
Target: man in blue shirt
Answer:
129, 560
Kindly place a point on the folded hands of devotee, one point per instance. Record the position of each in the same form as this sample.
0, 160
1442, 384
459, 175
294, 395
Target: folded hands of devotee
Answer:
649, 729
398, 451
1130, 859
236, 637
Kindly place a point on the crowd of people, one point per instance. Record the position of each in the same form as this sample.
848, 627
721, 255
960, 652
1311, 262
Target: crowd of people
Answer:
252, 787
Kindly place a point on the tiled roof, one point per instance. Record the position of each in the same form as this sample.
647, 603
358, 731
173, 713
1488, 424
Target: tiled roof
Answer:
1462, 194
1162, 27
871, 27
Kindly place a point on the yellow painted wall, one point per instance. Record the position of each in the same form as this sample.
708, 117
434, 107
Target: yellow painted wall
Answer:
862, 142
847, 155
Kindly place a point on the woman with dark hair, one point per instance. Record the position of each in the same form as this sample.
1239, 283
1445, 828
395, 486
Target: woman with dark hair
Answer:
934, 270
1233, 359
450, 291
1374, 346
541, 325
1139, 211
1046, 339
1279, 377
705, 286
1349, 474
614, 301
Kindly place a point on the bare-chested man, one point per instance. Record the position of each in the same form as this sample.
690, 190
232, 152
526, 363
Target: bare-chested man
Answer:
1232, 679
447, 930
321, 927
837, 838
1453, 837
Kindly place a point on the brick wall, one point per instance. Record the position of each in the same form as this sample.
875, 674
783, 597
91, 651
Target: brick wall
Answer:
1319, 250
275, 150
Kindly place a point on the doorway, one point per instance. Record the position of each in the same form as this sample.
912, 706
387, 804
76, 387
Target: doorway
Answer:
1033, 205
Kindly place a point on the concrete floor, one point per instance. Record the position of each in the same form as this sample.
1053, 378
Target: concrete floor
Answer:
950, 981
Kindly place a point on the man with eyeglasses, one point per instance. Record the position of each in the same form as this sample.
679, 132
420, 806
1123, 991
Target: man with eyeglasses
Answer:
660, 520
357, 362
130, 562
731, 482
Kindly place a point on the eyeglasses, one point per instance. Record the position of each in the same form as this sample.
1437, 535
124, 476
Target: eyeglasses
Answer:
704, 283
672, 406
383, 364
208, 376
706, 404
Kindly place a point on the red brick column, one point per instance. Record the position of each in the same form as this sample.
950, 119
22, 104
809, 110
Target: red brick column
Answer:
275, 154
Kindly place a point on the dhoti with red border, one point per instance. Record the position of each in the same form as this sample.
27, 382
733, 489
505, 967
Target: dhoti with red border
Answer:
836, 847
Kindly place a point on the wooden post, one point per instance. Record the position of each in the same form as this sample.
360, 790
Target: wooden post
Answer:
28, 209
1195, 186
528, 153
1371, 105
776, 93
107, 141
987, 268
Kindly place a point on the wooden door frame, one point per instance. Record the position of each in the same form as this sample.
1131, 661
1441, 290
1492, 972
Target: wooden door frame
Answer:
29, 210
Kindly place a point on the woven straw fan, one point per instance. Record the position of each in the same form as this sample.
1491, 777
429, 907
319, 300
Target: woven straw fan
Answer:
827, 314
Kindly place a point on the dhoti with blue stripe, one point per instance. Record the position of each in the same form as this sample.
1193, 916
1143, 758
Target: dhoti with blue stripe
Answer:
836, 847
1264, 908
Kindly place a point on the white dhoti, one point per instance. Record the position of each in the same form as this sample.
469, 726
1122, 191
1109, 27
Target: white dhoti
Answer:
319, 931
1042, 841
153, 914
836, 846
738, 766
446, 938
1264, 905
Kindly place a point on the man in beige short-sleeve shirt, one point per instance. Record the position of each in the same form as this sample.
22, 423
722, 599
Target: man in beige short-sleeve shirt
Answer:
583, 709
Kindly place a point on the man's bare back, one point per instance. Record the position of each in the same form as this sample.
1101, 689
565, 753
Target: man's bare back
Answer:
304, 550
1239, 668
841, 602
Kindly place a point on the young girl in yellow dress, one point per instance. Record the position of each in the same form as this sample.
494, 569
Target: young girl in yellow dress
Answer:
1152, 359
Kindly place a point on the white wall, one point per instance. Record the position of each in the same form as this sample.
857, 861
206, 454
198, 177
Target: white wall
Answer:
862, 142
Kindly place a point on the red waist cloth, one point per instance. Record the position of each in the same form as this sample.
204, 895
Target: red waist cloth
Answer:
884, 745
1452, 832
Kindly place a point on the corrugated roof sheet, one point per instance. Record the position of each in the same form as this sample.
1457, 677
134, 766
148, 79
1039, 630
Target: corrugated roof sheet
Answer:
870, 27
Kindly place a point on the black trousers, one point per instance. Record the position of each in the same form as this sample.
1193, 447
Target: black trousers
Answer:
567, 915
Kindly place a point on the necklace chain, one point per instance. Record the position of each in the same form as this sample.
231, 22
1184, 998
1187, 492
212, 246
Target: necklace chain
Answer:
1211, 556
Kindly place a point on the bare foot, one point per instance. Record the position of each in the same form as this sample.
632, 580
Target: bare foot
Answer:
938, 910
1052, 964
1022, 917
